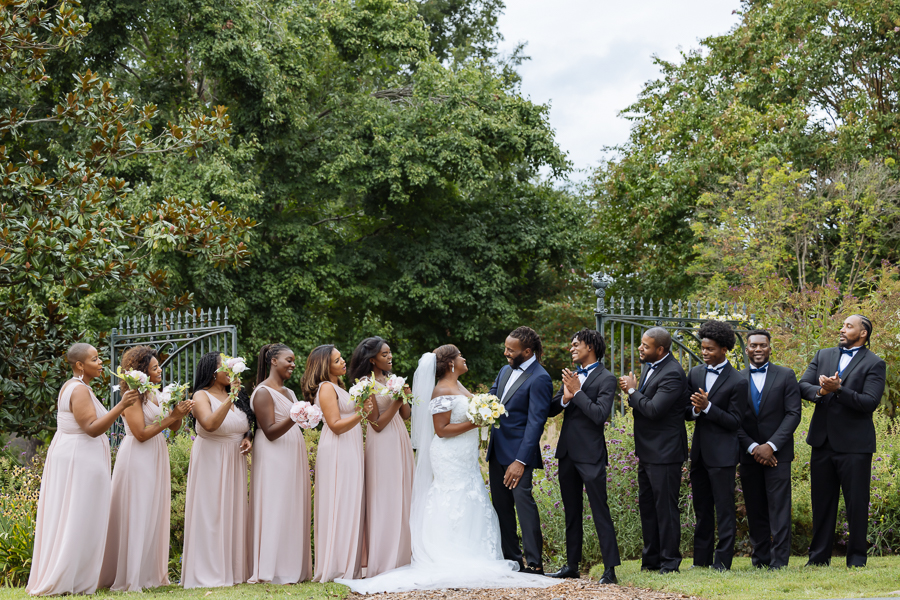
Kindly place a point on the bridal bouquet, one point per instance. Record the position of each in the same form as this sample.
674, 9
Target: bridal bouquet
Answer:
306, 415
135, 380
233, 366
361, 390
485, 410
170, 396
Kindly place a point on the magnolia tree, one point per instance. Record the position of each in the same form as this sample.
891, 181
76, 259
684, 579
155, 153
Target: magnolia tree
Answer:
66, 229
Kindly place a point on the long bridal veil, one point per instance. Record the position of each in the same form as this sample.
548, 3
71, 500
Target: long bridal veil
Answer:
454, 530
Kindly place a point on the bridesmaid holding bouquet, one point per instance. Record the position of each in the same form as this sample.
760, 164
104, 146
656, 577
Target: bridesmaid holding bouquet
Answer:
340, 471
279, 477
137, 543
216, 507
388, 464
73, 508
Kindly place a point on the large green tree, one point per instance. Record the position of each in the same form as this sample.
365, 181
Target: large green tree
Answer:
805, 82
390, 162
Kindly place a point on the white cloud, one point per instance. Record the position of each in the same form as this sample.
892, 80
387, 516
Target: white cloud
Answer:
590, 58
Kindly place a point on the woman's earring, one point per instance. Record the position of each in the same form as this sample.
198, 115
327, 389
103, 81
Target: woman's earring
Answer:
453, 368
80, 377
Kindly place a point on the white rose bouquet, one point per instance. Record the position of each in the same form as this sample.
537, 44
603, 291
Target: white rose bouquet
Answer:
233, 366
485, 410
361, 390
135, 380
170, 395
306, 415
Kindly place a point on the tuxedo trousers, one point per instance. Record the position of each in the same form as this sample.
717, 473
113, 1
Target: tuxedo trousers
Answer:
767, 496
511, 502
712, 489
831, 472
658, 488
591, 478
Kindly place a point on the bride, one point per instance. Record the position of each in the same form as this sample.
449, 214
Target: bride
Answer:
455, 532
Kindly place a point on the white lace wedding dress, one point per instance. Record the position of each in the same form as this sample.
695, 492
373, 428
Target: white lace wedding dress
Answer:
455, 531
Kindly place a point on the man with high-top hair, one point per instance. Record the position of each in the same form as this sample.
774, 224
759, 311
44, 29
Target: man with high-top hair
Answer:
660, 440
846, 384
771, 414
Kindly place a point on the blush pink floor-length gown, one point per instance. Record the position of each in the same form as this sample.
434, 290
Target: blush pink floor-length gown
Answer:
389, 475
340, 498
280, 502
73, 508
137, 542
216, 506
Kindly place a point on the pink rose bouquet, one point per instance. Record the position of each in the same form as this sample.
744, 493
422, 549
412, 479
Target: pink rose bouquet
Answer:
135, 380
233, 366
306, 415
397, 387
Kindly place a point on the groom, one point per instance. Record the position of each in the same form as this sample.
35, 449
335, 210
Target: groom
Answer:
526, 390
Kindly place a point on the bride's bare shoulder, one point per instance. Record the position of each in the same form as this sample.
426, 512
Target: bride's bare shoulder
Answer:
443, 389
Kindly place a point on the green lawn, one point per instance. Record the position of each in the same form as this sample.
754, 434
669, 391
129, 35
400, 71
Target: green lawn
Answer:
881, 578
303, 591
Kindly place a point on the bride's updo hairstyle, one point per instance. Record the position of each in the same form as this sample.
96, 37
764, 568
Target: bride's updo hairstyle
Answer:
444, 356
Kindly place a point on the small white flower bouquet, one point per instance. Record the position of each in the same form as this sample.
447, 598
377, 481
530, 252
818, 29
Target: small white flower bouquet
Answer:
306, 415
233, 366
170, 396
396, 385
485, 410
361, 390
135, 380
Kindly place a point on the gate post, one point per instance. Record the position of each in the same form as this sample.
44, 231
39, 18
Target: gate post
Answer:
600, 283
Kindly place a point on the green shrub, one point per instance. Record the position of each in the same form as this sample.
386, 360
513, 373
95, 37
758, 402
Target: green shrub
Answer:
19, 489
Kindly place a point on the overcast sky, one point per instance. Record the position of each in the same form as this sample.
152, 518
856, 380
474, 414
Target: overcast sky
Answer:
590, 58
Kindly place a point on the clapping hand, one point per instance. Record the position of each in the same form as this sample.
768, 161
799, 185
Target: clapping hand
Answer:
627, 381
829, 384
571, 384
700, 400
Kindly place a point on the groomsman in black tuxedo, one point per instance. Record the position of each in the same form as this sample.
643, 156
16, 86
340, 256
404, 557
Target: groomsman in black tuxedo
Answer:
846, 383
586, 399
766, 439
719, 392
660, 441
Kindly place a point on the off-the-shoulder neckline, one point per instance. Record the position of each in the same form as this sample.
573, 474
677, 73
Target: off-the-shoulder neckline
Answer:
449, 396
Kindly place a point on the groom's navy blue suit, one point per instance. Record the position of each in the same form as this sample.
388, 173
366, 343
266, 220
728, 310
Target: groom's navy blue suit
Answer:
519, 439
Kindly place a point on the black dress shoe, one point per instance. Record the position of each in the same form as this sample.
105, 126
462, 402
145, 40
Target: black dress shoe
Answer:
566, 572
533, 570
643, 568
810, 563
719, 567
666, 571
609, 576
698, 567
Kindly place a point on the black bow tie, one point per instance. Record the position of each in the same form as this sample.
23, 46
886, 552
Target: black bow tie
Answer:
762, 369
652, 366
714, 370
851, 352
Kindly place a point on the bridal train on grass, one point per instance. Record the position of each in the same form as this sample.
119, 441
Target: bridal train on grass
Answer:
455, 530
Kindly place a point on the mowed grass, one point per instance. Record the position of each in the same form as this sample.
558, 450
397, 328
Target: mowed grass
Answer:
881, 578
302, 591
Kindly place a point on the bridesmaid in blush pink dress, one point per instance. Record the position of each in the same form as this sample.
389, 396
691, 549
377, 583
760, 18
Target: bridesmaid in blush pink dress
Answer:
216, 509
388, 465
340, 490
137, 542
280, 501
73, 508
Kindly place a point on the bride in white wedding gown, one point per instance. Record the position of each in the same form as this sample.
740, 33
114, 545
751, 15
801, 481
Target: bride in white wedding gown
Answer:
455, 532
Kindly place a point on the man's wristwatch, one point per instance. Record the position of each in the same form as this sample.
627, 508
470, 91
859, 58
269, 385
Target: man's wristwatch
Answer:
630, 391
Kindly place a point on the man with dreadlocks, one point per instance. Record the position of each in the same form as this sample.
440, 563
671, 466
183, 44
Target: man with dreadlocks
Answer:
846, 384
525, 388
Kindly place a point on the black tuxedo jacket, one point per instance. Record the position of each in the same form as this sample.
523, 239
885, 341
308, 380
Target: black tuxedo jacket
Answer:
716, 432
582, 437
659, 433
845, 418
779, 414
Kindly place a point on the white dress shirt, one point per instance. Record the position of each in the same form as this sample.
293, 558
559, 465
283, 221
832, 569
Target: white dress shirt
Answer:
846, 358
710, 381
650, 371
516, 373
759, 380
581, 378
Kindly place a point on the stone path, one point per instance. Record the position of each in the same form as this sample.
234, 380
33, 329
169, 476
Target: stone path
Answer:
570, 589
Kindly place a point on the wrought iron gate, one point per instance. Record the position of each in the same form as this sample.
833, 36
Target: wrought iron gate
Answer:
623, 323
180, 339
